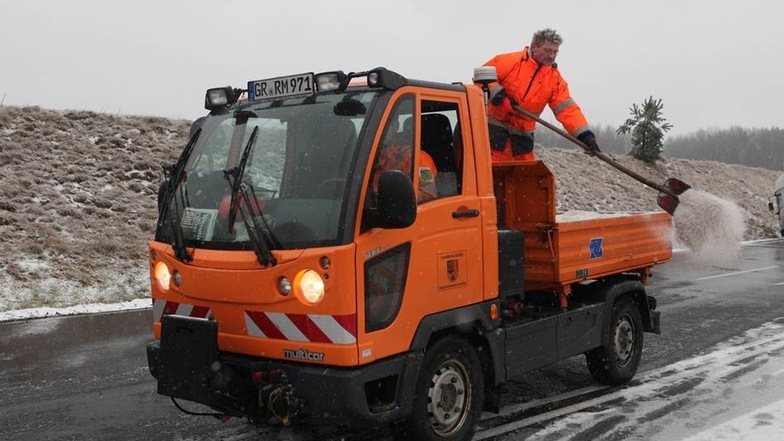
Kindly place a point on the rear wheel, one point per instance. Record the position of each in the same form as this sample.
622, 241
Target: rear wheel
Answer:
449, 394
617, 360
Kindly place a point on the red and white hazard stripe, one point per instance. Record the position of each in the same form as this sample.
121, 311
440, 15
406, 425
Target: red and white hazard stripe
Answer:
317, 328
165, 307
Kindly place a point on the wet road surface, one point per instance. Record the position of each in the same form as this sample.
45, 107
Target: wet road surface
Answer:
86, 377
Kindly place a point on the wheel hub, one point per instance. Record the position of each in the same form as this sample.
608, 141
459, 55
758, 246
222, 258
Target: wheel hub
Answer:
624, 340
447, 398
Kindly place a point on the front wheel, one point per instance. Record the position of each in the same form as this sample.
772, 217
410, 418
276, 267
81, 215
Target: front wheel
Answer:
449, 394
617, 360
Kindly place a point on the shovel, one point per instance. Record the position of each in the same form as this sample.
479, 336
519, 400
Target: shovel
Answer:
668, 192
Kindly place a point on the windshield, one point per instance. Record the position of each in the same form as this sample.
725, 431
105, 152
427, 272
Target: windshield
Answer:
277, 169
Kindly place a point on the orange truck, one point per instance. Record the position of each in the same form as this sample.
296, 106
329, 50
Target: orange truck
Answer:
297, 271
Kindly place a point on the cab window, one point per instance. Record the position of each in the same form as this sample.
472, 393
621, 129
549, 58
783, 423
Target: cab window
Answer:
439, 142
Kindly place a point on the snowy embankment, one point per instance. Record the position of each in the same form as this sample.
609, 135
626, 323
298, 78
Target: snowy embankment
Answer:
90, 308
78, 194
111, 292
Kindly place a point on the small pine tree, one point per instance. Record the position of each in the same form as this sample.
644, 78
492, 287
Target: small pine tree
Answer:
647, 126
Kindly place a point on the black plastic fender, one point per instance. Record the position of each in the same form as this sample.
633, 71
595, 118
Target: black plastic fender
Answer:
475, 323
608, 291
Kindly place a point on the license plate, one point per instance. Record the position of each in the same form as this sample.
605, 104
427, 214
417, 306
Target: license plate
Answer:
279, 87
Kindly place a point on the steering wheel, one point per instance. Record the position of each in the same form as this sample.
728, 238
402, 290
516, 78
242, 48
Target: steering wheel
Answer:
331, 187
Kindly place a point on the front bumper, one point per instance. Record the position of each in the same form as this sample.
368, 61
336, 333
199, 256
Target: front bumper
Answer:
188, 365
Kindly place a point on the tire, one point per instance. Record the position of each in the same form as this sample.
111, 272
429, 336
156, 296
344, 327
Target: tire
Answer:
451, 378
617, 360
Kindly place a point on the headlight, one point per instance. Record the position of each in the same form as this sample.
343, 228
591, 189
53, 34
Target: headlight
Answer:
162, 275
309, 286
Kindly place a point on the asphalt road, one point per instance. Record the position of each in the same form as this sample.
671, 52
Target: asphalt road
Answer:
86, 377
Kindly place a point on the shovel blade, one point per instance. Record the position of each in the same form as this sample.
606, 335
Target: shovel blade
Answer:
668, 202
676, 186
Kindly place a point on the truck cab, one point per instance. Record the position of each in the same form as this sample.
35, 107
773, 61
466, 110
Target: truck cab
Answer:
341, 244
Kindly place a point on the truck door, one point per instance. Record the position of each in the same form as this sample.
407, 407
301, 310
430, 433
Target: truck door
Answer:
435, 265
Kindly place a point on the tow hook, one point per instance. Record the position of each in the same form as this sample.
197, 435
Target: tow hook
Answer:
277, 403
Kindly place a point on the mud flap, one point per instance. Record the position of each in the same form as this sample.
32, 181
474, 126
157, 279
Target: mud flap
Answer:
655, 323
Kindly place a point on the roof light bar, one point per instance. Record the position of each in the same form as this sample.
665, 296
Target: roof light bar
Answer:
382, 77
331, 81
219, 97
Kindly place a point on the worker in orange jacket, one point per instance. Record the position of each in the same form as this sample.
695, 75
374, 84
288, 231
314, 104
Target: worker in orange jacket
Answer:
531, 80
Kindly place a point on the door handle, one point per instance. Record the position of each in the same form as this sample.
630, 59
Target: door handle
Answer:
458, 214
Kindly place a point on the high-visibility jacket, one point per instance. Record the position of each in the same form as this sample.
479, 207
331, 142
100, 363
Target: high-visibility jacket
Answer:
398, 157
532, 86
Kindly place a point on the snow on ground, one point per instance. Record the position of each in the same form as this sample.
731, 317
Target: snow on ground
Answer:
90, 308
733, 393
765, 423
45, 295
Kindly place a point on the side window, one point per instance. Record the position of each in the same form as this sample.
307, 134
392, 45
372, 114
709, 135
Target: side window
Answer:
396, 150
385, 283
437, 170
440, 158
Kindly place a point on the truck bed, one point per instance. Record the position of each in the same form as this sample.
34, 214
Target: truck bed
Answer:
562, 249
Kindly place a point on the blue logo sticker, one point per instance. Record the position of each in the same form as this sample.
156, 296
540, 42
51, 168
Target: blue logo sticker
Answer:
595, 247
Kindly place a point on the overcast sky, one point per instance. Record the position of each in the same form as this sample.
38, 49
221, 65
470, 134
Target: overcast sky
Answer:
714, 63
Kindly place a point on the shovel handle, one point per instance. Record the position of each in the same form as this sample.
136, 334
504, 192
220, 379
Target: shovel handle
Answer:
599, 155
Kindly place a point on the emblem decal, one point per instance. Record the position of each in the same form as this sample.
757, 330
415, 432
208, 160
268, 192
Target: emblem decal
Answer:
595, 247
452, 269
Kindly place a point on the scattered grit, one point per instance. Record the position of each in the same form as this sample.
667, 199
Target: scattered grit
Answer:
710, 226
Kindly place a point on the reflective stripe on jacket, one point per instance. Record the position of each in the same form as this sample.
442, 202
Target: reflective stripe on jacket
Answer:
534, 86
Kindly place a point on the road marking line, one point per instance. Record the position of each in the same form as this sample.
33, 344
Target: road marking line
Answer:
499, 430
515, 408
738, 272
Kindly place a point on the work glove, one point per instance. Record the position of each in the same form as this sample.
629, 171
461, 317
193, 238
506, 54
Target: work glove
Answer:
589, 139
497, 95
499, 98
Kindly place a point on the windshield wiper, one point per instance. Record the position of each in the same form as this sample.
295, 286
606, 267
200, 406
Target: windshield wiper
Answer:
174, 175
255, 235
262, 239
234, 176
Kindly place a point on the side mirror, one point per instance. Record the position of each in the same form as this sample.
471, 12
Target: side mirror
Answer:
397, 206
